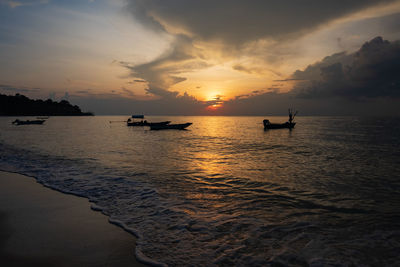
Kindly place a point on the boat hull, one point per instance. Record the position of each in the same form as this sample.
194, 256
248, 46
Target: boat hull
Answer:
182, 126
139, 123
285, 125
28, 122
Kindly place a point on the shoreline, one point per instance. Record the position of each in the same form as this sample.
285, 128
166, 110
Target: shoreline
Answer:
44, 227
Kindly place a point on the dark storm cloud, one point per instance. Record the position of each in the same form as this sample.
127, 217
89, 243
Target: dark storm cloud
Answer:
238, 21
372, 71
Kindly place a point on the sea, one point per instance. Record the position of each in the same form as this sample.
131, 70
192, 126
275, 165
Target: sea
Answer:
226, 192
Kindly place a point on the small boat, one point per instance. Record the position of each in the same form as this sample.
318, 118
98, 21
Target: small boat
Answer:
132, 122
289, 124
182, 126
27, 122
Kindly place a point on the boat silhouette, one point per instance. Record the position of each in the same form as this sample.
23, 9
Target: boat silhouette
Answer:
27, 122
182, 126
289, 124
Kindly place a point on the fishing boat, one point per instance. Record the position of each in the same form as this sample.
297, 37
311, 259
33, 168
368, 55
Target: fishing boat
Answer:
131, 121
27, 122
182, 126
289, 124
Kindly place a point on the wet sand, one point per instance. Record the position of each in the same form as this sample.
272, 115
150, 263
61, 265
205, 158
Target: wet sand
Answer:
43, 227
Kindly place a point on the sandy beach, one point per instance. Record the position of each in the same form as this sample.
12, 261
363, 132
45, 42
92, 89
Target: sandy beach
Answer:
43, 227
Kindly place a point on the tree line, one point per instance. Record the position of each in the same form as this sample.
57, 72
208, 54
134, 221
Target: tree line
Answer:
20, 105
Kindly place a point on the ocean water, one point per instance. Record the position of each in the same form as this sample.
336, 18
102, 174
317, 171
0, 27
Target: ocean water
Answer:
226, 192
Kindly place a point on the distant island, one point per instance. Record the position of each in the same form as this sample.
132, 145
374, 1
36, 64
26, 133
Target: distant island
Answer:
20, 105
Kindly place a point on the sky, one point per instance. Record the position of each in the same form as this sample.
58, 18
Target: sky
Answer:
187, 57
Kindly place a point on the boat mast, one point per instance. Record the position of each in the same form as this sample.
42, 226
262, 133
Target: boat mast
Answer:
291, 115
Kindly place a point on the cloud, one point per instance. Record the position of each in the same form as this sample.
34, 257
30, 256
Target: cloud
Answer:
252, 70
288, 80
127, 92
242, 68
254, 93
247, 34
161, 92
217, 100
372, 71
164, 71
251, 36
333, 86
236, 21
137, 81
10, 88
83, 92
14, 4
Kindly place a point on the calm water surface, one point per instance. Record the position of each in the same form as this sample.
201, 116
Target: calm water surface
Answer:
226, 192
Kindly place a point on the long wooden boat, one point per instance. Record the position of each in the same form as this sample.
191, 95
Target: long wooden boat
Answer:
27, 122
288, 125
182, 126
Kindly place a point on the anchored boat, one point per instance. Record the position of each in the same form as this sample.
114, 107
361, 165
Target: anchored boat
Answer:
289, 124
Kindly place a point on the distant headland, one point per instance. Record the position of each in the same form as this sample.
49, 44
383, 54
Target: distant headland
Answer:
20, 105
